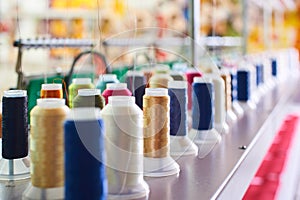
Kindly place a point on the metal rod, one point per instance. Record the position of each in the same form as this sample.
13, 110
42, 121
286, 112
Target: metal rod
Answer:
11, 167
245, 26
194, 28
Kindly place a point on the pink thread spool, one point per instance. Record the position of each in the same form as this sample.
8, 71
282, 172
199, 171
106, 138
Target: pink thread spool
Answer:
115, 89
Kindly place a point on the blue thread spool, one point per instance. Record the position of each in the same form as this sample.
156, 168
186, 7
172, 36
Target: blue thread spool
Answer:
243, 85
274, 67
235, 106
259, 74
180, 144
136, 83
105, 79
202, 107
85, 176
203, 133
244, 89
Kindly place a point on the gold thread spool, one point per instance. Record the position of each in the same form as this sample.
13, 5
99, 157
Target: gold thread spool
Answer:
51, 90
160, 81
47, 143
227, 81
156, 125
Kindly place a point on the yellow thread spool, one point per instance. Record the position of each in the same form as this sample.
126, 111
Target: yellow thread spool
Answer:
47, 143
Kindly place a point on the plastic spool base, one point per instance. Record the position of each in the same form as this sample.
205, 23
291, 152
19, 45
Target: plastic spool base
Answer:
182, 146
159, 167
247, 105
237, 109
222, 128
138, 192
230, 117
205, 140
34, 193
13, 170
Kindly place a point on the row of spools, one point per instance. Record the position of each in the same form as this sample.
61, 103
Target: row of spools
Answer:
104, 145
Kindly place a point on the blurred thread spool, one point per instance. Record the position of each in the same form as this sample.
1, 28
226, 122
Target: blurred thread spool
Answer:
47, 143
203, 106
51, 90
85, 176
233, 76
243, 85
124, 146
89, 98
177, 76
259, 74
274, 67
160, 81
190, 79
156, 122
178, 108
136, 83
78, 83
104, 79
115, 89
227, 81
14, 124
147, 74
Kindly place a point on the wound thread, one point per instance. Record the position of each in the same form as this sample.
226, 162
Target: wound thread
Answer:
51, 90
156, 112
227, 81
89, 98
178, 108
78, 83
243, 85
14, 124
47, 143
85, 176
136, 83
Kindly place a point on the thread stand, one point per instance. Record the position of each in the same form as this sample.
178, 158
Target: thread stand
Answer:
230, 116
205, 140
182, 146
33, 193
237, 109
15, 169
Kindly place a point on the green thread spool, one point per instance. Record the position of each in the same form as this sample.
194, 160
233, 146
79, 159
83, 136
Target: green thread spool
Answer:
89, 98
78, 83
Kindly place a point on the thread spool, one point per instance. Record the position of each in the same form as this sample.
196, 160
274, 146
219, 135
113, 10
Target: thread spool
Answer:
180, 144
78, 83
116, 89
52, 90
219, 102
160, 81
177, 76
190, 79
136, 83
274, 67
147, 74
89, 98
105, 79
157, 160
85, 176
237, 109
14, 164
47, 150
124, 145
244, 89
230, 116
259, 75
203, 133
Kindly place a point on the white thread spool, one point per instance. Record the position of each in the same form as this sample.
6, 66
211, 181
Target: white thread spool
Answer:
124, 147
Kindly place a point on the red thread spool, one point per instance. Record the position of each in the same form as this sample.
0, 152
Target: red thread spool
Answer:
115, 89
190, 79
51, 91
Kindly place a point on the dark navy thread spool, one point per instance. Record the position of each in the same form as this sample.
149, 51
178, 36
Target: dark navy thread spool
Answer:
85, 176
136, 83
243, 85
14, 124
233, 86
274, 67
202, 105
180, 144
